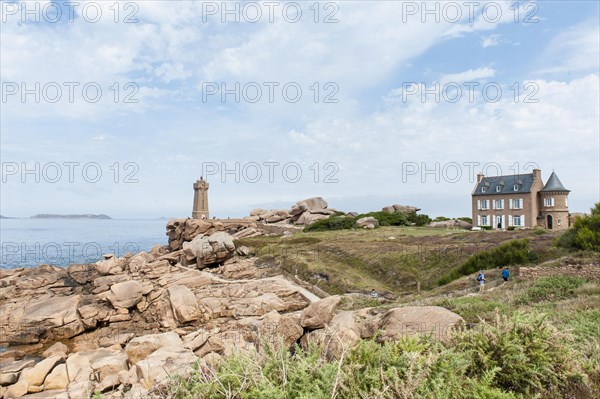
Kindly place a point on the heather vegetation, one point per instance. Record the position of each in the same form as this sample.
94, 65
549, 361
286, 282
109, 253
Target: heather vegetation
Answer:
518, 356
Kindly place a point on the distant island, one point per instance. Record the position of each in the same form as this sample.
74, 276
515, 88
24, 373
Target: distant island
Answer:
6, 217
53, 216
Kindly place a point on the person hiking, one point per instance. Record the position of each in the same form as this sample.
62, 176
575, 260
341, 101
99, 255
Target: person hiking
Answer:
481, 280
505, 274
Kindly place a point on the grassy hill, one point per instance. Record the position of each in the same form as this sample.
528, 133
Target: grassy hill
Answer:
389, 259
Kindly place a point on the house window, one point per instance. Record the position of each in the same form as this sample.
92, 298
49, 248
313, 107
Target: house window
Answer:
516, 221
517, 203
483, 189
484, 221
498, 189
516, 187
483, 204
548, 201
499, 204
566, 202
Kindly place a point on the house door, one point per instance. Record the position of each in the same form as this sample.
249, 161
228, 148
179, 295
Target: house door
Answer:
549, 222
499, 222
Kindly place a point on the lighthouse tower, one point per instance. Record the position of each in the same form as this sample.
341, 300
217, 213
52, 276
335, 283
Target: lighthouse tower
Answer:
200, 210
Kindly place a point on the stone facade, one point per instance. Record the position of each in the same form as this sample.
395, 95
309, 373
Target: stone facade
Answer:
555, 216
200, 210
520, 201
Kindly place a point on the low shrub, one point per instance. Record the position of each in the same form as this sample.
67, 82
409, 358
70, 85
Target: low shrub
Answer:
419, 220
526, 354
332, 223
552, 289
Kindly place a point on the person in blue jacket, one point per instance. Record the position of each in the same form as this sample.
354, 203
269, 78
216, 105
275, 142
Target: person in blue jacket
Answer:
505, 274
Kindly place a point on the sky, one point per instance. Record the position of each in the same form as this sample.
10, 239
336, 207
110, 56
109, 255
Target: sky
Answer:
118, 107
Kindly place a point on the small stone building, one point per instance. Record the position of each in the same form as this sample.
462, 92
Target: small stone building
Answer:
520, 201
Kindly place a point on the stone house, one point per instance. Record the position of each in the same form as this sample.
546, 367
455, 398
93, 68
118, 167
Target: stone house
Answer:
520, 201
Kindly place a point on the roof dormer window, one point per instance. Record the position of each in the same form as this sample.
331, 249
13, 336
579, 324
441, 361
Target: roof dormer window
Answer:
498, 189
483, 189
516, 187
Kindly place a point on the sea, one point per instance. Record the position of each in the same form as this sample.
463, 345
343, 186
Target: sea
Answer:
61, 242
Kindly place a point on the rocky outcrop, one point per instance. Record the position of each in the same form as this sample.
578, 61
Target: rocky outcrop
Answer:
185, 230
302, 213
319, 313
346, 328
367, 222
400, 208
129, 323
418, 320
452, 224
206, 250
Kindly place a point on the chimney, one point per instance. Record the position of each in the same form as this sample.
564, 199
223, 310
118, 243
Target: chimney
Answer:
537, 175
480, 177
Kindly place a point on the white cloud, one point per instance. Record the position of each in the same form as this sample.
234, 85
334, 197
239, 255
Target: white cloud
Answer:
490, 41
469, 76
575, 50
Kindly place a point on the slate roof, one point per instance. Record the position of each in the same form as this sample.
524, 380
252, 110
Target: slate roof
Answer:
506, 184
554, 184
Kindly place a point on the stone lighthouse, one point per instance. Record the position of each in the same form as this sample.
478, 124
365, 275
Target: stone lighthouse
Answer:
200, 210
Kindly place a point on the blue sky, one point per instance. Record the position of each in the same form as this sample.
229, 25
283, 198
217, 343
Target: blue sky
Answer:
370, 139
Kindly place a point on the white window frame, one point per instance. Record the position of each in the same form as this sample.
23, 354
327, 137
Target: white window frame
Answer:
499, 204
484, 205
516, 203
484, 220
516, 187
498, 189
549, 202
483, 189
516, 221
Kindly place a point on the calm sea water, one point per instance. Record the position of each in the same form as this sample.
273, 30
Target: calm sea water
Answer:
60, 242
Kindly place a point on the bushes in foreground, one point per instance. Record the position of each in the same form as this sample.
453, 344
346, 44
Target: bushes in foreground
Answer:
585, 233
512, 252
515, 358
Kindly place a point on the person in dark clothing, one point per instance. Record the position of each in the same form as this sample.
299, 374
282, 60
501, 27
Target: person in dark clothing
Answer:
505, 274
481, 280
